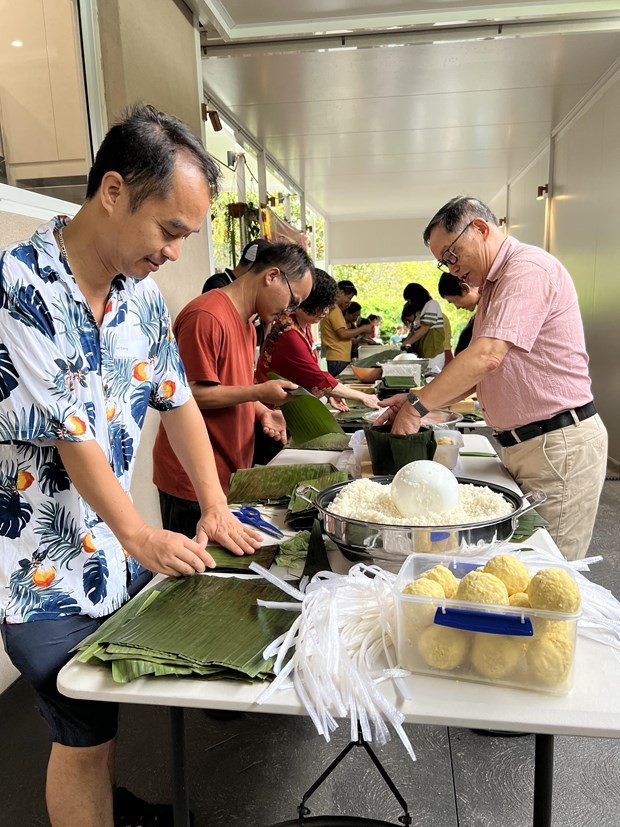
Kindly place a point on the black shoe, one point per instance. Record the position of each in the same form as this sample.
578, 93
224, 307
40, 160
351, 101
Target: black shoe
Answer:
131, 811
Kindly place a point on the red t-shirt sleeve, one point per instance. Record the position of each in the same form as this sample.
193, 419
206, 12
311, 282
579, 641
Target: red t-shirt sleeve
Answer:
200, 337
292, 360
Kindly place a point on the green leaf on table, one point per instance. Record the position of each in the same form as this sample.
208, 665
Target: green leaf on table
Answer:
527, 524
273, 482
227, 562
201, 626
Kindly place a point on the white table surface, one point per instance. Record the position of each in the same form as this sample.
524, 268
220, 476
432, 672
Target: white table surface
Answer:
591, 708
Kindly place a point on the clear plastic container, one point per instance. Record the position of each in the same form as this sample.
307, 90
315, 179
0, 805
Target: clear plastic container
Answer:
449, 442
360, 447
483, 642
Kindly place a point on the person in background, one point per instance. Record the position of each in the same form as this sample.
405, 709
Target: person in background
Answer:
336, 336
448, 356
354, 320
245, 263
289, 349
399, 334
85, 348
463, 296
375, 321
217, 342
426, 335
528, 363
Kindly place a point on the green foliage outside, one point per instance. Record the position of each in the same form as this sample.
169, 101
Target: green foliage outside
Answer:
226, 236
379, 286
380, 290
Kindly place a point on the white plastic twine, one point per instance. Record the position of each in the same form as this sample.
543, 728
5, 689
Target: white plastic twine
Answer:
335, 653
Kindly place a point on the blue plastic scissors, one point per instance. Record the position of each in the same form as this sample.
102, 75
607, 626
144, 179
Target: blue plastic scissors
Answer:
252, 516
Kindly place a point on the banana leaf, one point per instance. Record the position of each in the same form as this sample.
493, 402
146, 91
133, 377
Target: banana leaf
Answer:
325, 442
208, 627
297, 504
374, 359
404, 382
272, 482
293, 549
527, 524
308, 419
317, 553
231, 564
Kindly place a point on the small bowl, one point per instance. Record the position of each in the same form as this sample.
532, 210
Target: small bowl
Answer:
439, 418
366, 374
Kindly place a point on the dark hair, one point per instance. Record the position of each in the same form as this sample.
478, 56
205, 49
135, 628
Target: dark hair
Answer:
290, 258
143, 147
323, 295
373, 317
251, 249
416, 295
449, 285
354, 307
363, 322
456, 213
347, 287
408, 313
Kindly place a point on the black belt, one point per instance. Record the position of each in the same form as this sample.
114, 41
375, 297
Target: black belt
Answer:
561, 420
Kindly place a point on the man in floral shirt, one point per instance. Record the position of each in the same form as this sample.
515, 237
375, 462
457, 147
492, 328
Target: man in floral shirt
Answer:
85, 347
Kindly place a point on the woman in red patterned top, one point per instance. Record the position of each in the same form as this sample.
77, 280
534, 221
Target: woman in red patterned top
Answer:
289, 349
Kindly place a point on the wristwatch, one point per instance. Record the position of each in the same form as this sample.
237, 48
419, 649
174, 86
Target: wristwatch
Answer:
415, 402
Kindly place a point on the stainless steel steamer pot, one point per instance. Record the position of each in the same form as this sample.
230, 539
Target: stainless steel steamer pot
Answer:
388, 545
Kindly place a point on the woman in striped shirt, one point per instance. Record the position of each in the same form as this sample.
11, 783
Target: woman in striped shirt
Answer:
426, 333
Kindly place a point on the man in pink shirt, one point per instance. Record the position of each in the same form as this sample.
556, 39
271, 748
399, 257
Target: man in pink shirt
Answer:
528, 364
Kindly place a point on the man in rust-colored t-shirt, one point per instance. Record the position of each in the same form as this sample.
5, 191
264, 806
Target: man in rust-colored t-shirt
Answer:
217, 341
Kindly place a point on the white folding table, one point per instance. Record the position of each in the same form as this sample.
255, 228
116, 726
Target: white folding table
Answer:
592, 708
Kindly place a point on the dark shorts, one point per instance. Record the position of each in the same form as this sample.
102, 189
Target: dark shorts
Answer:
335, 367
39, 649
179, 515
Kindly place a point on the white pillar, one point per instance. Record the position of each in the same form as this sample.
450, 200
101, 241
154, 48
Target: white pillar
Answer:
262, 178
241, 193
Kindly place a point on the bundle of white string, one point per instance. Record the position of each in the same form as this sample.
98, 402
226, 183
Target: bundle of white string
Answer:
338, 651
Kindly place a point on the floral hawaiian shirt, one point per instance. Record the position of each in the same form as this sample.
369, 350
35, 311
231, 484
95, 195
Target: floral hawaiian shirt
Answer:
64, 377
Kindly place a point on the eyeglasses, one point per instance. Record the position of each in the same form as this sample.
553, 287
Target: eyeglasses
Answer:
294, 303
450, 257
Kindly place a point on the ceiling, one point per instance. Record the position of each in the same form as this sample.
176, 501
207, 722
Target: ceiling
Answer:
392, 114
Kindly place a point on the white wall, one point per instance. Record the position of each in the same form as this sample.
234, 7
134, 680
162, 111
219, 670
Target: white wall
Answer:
526, 215
585, 228
399, 239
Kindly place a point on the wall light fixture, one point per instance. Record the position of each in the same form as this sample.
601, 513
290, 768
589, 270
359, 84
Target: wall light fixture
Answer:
543, 191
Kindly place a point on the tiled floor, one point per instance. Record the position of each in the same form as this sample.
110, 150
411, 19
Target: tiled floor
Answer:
251, 771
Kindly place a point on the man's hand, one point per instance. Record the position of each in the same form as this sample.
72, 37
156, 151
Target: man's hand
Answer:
273, 392
168, 553
273, 424
221, 526
403, 416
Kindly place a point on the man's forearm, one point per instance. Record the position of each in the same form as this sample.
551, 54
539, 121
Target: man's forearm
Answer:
189, 439
209, 396
464, 372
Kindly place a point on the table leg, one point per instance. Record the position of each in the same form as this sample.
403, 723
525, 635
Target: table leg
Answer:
179, 788
543, 781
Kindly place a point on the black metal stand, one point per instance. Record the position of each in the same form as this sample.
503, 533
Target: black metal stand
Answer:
304, 811
180, 801
543, 781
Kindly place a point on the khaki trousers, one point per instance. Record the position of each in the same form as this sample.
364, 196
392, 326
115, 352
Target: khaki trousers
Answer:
569, 465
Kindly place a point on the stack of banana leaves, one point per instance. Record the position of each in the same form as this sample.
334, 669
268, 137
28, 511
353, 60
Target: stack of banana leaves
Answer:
200, 627
310, 423
273, 484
